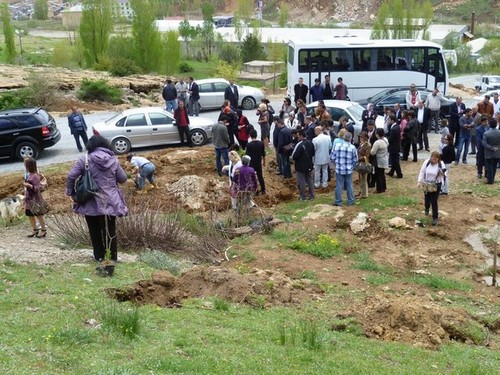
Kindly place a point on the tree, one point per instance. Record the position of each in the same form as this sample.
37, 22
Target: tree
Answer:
276, 54
205, 39
284, 13
41, 9
188, 33
226, 70
244, 10
95, 28
251, 48
208, 11
403, 19
147, 38
8, 32
172, 52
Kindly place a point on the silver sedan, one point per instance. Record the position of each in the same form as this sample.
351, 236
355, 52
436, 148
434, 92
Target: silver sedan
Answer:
149, 126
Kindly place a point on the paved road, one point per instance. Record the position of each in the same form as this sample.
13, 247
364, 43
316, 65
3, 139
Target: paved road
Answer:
65, 150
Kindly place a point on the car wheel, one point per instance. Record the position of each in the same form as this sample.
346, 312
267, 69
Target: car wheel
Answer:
121, 146
198, 138
248, 103
27, 150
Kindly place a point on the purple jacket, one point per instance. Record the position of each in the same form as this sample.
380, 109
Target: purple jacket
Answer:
246, 179
107, 173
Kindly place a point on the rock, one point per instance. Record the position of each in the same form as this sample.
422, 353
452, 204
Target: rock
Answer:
397, 222
378, 330
164, 278
420, 272
434, 339
360, 223
497, 217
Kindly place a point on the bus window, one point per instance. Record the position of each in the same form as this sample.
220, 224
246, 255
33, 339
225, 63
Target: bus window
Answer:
303, 61
291, 55
362, 59
418, 59
401, 58
384, 59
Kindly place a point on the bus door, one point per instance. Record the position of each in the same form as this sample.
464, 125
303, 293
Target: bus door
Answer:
318, 65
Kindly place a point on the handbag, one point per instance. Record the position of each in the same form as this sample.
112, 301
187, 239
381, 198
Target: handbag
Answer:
85, 185
431, 187
39, 206
364, 167
44, 184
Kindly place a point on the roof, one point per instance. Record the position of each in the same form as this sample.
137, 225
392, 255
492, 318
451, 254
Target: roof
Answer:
477, 45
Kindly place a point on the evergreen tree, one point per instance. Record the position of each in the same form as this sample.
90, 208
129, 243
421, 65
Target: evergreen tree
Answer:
251, 48
8, 32
95, 27
147, 38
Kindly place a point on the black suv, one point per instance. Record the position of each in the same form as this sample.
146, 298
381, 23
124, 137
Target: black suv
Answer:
25, 132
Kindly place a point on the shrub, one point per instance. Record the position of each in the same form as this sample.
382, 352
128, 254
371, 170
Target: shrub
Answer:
41, 92
13, 99
121, 318
123, 67
185, 67
100, 90
162, 261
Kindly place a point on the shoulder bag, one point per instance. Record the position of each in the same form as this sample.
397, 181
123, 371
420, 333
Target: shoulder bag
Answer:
38, 206
85, 185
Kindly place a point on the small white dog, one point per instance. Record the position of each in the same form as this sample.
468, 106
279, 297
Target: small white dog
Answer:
11, 208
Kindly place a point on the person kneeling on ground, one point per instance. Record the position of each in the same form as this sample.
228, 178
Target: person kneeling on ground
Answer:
144, 170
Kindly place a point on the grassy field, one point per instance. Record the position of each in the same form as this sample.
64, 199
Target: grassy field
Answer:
44, 331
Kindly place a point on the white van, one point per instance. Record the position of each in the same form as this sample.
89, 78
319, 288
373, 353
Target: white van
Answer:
488, 83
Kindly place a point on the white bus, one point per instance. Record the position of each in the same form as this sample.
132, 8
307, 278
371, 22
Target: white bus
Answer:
367, 66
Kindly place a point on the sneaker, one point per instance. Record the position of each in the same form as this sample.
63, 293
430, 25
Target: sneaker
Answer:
464, 161
302, 199
456, 163
435, 222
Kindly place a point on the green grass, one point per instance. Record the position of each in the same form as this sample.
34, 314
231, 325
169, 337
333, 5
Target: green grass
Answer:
44, 310
379, 279
364, 262
440, 282
324, 246
309, 274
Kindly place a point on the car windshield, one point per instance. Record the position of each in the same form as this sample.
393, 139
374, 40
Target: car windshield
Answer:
113, 119
380, 95
494, 79
356, 111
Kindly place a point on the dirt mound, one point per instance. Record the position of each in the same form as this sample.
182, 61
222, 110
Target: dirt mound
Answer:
414, 319
260, 288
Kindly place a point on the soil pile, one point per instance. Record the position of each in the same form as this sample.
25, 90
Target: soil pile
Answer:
260, 288
415, 319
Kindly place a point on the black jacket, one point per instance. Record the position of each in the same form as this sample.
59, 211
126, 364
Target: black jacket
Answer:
169, 92
232, 97
303, 156
284, 138
427, 115
394, 139
300, 92
448, 154
194, 91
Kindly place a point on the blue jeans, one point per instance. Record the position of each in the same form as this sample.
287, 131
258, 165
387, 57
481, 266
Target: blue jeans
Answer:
285, 169
341, 181
221, 152
171, 105
463, 145
146, 172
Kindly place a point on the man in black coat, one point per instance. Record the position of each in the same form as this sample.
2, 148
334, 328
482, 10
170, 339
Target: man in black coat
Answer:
194, 96
303, 159
394, 138
300, 90
423, 116
231, 94
457, 109
284, 138
256, 150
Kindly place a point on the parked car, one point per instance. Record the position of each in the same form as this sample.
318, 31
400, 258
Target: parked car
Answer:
149, 126
351, 110
212, 94
389, 97
480, 98
25, 132
488, 83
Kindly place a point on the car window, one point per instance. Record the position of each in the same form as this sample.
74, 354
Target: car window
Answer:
220, 86
137, 120
159, 119
205, 87
336, 113
25, 121
6, 124
357, 112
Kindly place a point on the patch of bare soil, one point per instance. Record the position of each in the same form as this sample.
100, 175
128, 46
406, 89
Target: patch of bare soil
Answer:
260, 288
418, 320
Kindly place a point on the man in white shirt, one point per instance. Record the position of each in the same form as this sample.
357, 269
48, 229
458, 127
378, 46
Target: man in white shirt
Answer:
433, 102
496, 103
145, 170
322, 144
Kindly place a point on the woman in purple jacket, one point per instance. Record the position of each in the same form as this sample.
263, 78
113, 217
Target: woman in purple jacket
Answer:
101, 211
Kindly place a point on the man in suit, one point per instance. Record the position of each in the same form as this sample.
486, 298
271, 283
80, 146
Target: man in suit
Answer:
194, 96
231, 94
394, 148
491, 143
456, 111
256, 150
423, 115
300, 90
303, 159
397, 112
